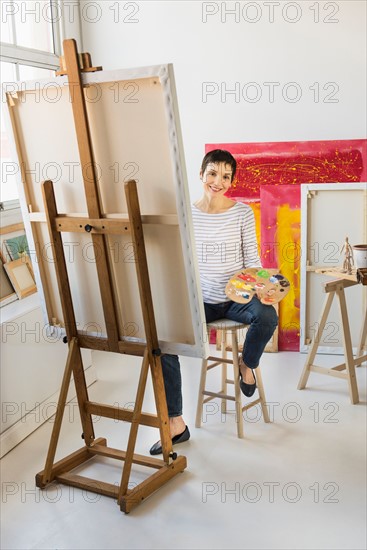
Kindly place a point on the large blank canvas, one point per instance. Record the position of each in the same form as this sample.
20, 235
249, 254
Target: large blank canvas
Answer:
330, 212
136, 135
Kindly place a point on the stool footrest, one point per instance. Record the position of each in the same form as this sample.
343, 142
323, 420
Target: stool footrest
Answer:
207, 400
219, 394
219, 361
252, 404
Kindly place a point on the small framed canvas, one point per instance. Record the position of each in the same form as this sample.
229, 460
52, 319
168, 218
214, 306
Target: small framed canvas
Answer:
7, 293
17, 247
21, 276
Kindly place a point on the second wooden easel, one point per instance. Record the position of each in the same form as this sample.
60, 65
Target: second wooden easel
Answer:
345, 370
99, 227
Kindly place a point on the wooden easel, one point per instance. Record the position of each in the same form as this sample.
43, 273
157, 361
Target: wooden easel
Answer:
99, 227
333, 289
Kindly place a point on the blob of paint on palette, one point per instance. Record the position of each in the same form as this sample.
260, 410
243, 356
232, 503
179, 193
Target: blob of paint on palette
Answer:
269, 285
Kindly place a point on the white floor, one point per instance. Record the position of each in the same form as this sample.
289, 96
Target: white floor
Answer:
299, 482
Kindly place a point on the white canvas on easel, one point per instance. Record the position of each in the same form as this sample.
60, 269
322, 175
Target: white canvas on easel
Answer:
344, 206
135, 131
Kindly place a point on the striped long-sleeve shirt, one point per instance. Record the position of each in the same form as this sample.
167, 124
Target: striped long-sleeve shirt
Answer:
225, 243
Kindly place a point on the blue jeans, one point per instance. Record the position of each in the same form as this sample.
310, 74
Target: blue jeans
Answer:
263, 321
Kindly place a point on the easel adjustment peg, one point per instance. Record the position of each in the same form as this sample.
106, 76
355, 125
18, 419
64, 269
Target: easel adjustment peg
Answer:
173, 455
88, 228
157, 352
65, 339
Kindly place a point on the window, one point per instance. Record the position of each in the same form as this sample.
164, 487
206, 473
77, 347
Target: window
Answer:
31, 34
11, 72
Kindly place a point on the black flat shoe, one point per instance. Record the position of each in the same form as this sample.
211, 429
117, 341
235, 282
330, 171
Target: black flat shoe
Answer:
247, 389
156, 449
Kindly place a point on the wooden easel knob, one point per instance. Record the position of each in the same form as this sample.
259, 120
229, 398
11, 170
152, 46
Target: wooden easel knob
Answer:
85, 64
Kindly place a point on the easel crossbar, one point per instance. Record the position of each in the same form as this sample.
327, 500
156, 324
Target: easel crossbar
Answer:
109, 452
117, 413
92, 225
102, 344
330, 372
93, 485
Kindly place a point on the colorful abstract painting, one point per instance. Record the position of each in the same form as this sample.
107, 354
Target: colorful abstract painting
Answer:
268, 179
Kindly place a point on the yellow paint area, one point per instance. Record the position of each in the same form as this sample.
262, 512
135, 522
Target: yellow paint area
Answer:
289, 257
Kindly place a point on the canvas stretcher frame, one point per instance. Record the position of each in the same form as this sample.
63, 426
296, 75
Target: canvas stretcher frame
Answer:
21, 276
349, 204
163, 194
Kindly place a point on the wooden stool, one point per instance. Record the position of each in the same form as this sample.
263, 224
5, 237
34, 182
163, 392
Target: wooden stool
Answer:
225, 326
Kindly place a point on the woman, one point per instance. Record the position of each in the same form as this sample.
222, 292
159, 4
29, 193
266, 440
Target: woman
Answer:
225, 243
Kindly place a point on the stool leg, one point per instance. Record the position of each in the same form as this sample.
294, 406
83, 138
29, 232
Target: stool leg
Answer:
199, 410
223, 346
260, 387
237, 389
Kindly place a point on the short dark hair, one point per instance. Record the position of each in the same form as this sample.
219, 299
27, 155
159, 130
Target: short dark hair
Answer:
219, 155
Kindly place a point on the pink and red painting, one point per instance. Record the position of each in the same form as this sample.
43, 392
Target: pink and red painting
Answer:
268, 178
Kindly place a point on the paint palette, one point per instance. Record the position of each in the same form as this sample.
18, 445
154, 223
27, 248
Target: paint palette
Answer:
268, 284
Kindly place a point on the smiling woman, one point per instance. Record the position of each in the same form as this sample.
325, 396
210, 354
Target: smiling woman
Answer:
225, 240
217, 173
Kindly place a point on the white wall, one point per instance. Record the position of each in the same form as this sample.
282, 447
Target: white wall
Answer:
229, 52
32, 364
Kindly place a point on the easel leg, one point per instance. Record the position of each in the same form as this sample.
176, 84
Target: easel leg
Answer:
348, 353
82, 397
73, 364
316, 341
59, 413
162, 411
260, 387
67, 308
148, 316
134, 427
362, 340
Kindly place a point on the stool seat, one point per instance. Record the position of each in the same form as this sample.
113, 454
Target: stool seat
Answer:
226, 326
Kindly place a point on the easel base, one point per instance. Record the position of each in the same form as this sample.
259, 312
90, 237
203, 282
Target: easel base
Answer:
61, 473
